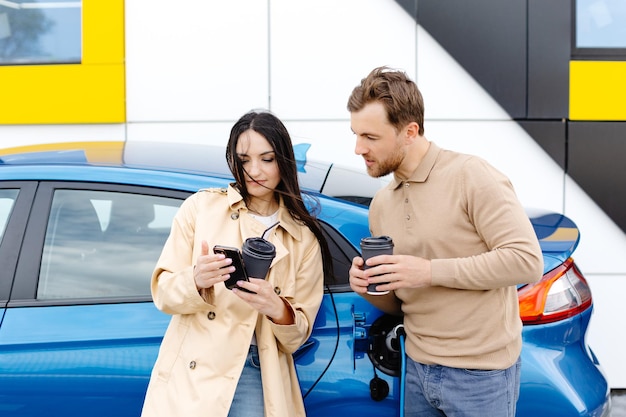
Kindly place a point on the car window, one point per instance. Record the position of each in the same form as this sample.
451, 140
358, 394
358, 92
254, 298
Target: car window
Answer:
103, 243
342, 253
7, 200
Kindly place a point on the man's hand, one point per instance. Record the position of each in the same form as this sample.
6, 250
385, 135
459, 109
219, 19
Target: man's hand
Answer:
358, 279
391, 272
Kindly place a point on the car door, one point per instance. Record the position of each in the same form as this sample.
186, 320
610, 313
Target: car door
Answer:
80, 333
345, 366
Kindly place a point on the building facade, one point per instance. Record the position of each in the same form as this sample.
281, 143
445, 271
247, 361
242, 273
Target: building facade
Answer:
535, 87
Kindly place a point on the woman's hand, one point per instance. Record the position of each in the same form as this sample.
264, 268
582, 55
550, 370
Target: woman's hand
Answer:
211, 268
265, 300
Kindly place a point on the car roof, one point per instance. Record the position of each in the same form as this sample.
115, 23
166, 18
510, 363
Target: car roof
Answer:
182, 167
314, 175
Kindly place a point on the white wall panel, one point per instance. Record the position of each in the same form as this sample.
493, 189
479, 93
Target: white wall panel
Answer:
330, 141
604, 337
193, 60
321, 49
215, 133
602, 242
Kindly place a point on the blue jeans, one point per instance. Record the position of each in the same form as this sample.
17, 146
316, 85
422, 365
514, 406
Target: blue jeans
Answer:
438, 391
248, 400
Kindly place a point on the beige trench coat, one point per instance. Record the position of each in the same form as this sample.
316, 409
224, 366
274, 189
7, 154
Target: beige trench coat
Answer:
206, 343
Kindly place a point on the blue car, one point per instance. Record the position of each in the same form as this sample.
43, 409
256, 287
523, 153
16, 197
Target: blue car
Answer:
82, 225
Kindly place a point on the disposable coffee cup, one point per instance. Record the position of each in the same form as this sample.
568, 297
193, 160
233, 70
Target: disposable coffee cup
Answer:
258, 254
374, 246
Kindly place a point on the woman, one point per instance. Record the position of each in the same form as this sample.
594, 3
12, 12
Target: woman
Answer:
229, 352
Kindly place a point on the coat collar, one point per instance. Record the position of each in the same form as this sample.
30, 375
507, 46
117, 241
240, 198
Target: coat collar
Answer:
236, 204
423, 169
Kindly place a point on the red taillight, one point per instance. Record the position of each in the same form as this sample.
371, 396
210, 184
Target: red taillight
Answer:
561, 293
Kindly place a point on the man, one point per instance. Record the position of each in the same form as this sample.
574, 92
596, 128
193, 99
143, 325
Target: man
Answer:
462, 244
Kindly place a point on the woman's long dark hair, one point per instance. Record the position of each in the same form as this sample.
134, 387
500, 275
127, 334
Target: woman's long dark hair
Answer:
272, 129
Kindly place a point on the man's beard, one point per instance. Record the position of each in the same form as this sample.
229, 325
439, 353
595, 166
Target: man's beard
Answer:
389, 165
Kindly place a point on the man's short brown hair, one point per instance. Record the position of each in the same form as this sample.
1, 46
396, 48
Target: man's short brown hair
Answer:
397, 93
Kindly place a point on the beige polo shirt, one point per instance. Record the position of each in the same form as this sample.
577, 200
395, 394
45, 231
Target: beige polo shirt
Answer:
463, 214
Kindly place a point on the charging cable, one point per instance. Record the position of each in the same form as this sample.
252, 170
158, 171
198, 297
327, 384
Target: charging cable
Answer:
402, 336
395, 343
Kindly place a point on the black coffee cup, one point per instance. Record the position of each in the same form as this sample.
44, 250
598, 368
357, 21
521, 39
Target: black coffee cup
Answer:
374, 246
258, 254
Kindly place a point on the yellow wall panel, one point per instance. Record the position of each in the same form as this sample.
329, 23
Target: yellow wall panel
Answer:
90, 92
597, 90
49, 94
103, 34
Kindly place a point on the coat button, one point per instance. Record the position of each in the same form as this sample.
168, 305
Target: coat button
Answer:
277, 290
211, 315
234, 216
192, 365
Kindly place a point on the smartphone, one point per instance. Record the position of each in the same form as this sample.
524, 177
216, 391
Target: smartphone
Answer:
240, 271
